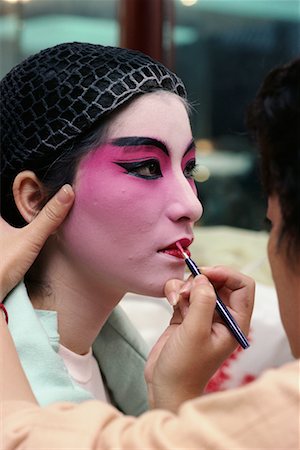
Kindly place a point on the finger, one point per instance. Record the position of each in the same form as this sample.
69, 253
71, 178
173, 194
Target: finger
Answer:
231, 278
171, 290
200, 315
232, 286
185, 289
235, 289
51, 216
3, 223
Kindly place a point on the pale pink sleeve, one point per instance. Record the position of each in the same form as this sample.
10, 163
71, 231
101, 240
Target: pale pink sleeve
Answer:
264, 414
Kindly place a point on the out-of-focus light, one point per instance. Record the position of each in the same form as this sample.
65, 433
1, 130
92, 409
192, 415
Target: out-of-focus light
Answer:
205, 146
17, 1
189, 2
202, 174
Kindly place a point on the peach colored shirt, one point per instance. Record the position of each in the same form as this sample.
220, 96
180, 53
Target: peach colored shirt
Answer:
262, 415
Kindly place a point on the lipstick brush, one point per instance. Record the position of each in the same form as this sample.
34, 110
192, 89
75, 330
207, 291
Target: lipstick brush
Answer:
221, 308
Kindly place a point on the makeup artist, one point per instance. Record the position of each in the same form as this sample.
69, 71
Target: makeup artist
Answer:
263, 414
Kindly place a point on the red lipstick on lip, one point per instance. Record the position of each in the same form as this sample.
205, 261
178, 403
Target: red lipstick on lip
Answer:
173, 249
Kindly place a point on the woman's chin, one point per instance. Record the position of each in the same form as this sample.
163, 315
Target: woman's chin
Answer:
156, 289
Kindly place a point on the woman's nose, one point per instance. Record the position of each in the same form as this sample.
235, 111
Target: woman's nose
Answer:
184, 203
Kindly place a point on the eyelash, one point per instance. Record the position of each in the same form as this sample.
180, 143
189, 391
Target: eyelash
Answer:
190, 169
135, 168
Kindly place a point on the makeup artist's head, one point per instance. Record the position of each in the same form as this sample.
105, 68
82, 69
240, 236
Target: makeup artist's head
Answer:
274, 118
114, 123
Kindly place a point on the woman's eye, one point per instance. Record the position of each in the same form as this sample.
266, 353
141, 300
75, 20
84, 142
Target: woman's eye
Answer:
148, 169
190, 169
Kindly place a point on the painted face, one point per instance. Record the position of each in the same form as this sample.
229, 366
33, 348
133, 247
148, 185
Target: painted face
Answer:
135, 197
285, 279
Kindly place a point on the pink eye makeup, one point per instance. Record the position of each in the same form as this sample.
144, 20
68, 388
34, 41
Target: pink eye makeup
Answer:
139, 149
146, 167
189, 167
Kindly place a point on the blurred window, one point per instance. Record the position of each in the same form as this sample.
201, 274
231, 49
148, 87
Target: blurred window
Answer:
224, 48
222, 51
27, 26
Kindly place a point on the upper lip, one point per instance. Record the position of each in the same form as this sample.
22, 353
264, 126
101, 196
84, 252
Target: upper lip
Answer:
184, 242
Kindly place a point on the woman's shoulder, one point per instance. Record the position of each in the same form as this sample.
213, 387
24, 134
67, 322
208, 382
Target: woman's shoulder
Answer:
121, 353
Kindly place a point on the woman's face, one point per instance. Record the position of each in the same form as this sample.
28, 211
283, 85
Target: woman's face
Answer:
135, 197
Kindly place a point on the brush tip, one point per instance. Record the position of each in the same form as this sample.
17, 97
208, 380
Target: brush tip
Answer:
179, 246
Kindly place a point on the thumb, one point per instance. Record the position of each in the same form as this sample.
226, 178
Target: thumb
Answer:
51, 216
202, 307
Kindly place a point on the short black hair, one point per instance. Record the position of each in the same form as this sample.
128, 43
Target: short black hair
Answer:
274, 121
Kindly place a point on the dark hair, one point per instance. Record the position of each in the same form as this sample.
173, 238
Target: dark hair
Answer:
274, 120
56, 104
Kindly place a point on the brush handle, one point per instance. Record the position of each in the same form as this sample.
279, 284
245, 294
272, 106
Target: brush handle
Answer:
231, 323
222, 310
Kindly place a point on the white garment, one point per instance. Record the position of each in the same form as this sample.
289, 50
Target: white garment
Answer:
85, 372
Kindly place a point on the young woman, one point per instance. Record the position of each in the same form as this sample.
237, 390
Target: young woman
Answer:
114, 124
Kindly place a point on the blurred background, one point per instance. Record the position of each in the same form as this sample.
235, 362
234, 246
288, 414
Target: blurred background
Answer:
220, 48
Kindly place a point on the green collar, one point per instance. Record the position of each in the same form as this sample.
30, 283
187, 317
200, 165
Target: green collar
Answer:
119, 349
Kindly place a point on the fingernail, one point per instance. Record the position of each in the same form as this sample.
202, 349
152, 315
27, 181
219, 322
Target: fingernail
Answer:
173, 298
64, 195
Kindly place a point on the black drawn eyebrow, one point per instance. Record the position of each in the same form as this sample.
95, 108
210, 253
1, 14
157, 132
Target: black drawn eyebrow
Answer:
135, 141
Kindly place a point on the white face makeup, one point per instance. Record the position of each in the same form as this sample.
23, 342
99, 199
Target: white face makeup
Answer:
135, 197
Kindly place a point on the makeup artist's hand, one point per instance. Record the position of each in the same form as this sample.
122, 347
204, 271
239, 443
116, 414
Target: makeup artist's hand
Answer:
20, 246
196, 342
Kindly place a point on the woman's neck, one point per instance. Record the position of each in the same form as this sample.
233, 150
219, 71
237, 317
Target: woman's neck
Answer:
83, 304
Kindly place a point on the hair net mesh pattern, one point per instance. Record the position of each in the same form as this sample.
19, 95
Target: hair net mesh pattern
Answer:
53, 97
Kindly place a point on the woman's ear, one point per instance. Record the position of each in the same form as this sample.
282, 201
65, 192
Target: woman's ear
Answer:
28, 194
